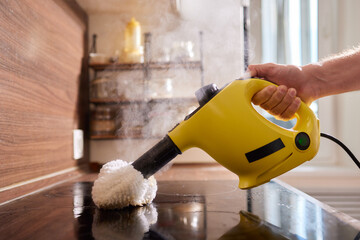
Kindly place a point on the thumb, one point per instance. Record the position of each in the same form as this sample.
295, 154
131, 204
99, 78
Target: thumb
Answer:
259, 70
253, 69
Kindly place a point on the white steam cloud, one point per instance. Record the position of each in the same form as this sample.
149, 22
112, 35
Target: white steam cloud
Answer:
171, 26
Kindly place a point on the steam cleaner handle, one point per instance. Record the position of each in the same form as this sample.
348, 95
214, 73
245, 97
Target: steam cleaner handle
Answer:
305, 116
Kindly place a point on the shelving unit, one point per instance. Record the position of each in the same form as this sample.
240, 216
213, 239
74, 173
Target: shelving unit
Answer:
142, 66
146, 103
149, 101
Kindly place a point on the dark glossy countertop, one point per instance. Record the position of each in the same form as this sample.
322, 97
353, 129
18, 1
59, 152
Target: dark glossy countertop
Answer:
181, 210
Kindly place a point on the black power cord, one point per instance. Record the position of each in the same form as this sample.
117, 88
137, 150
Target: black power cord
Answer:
347, 150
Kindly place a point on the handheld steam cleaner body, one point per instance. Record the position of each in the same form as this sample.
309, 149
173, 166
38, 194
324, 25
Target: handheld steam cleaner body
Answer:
230, 130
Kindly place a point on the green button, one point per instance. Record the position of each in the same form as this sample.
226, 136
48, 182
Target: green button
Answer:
302, 141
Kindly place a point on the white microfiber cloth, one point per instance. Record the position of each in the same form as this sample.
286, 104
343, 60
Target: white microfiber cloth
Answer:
120, 185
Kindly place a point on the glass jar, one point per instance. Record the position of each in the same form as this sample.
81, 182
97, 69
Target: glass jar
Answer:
132, 118
182, 51
102, 122
103, 87
161, 88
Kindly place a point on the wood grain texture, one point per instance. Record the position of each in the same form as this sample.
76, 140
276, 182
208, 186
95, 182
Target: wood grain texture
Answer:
43, 86
39, 184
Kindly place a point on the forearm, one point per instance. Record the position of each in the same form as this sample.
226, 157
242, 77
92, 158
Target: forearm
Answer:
335, 75
330, 76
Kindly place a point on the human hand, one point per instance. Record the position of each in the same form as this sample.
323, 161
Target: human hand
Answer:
282, 101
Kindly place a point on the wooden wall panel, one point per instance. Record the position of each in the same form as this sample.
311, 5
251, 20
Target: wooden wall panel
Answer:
43, 86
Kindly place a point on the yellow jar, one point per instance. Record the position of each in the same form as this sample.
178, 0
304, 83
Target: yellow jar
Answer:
133, 49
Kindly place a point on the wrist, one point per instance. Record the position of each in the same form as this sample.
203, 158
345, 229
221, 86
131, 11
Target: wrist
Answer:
335, 75
314, 84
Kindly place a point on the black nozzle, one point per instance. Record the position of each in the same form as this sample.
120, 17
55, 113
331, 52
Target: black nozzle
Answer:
206, 93
157, 157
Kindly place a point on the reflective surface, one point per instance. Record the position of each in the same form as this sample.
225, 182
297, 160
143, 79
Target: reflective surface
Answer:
181, 210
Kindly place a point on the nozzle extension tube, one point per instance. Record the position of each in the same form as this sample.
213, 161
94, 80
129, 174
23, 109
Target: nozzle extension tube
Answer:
156, 157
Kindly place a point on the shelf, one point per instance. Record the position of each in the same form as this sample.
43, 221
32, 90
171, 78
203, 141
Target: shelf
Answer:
142, 66
168, 65
133, 133
116, 66
112, 137
139, 101
103, 137
145, 104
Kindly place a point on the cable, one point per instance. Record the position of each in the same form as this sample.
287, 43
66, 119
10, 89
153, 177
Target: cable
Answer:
347, 150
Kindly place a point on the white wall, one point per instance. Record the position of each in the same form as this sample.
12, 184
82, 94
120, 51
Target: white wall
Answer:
338, 30
221, 23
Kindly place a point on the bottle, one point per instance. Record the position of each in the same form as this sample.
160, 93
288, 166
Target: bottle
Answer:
133, 49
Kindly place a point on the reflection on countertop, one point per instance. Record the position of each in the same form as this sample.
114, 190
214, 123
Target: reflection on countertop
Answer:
182, 210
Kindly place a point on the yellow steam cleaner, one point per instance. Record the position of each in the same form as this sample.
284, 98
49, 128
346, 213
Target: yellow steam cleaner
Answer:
231, 131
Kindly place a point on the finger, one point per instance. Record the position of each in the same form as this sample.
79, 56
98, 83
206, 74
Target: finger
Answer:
285, 102
291, 110
276, 98
263, 95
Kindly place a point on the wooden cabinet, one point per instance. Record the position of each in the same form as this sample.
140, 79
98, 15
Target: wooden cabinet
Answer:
44, 93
